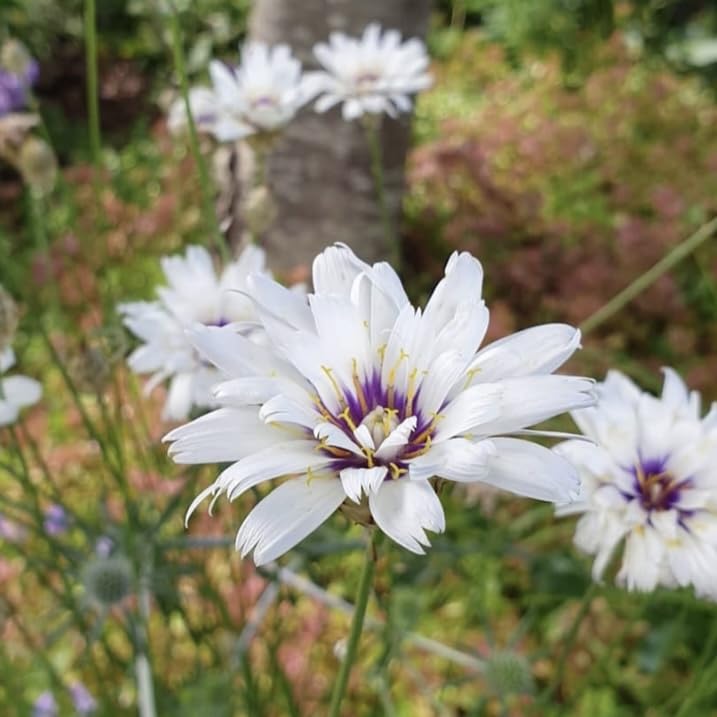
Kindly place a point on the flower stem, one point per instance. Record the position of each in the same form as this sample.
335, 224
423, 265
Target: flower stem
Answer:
374, 145
356, 626
93, 106
671, 259
703, 677
206, 187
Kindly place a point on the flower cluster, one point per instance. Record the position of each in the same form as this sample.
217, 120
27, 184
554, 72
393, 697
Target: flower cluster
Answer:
373, 74
648, 480
356, 395
195, 294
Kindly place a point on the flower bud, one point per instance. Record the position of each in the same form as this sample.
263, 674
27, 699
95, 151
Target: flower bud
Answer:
259, 210
508, 673
108, 580
90, 369
15, 58
37, 164
8, 319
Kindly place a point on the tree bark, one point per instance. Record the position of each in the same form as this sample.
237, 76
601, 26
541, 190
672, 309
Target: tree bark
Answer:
320, 171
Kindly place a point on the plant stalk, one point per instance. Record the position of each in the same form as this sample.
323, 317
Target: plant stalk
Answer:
364, 589
374, 145
644, 281
93, 106
209, 214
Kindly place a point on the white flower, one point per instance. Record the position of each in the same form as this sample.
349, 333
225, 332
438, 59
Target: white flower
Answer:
649, 480
373, 74
16, 392
261, 95
359, 393
194, 294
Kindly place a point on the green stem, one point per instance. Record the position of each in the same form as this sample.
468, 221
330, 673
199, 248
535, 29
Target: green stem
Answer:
374, 145
206, 188
356, 627
693, 692
671, 259
93, 105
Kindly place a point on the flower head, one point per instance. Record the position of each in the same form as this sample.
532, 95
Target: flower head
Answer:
261, 95
195, 294
648, 481
56, 521
16, 392
83, 702
373, 74
18, 72
45, 706
108, 580
359, 396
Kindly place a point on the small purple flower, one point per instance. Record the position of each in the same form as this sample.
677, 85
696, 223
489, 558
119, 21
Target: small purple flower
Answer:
10, 530
104, 546
56, 520
14, 87
83, 701
45, 706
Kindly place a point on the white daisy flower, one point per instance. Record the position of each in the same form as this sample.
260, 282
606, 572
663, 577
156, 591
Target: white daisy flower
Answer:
373, 74
359, 396
261, 95
650, 481
16, 392
195, 293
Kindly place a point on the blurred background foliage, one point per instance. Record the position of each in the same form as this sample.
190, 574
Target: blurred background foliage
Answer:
568, 144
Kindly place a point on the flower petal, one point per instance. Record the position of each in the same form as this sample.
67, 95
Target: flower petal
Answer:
404, 509
531, 470
356, 480
286, 516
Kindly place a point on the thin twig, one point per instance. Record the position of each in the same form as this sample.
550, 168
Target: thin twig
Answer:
671, 259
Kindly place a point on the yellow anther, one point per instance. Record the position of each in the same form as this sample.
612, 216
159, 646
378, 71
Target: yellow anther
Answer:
334, 384
369, 456
347, 417
470, 375
309, 475
396, 471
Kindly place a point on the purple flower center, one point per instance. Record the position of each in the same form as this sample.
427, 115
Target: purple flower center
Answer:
380, 409
654, 486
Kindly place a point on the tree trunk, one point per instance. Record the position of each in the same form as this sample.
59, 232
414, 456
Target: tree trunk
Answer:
320, 171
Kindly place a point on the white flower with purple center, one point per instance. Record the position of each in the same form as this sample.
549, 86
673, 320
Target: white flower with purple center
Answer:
261, 95
374, 74
358, 396
16, 392
195, 293
649, 481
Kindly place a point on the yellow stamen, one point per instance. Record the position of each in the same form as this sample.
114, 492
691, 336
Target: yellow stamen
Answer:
347, 417
470, 375
396, 471
411, 391
334, 384
419, 451
358, 387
